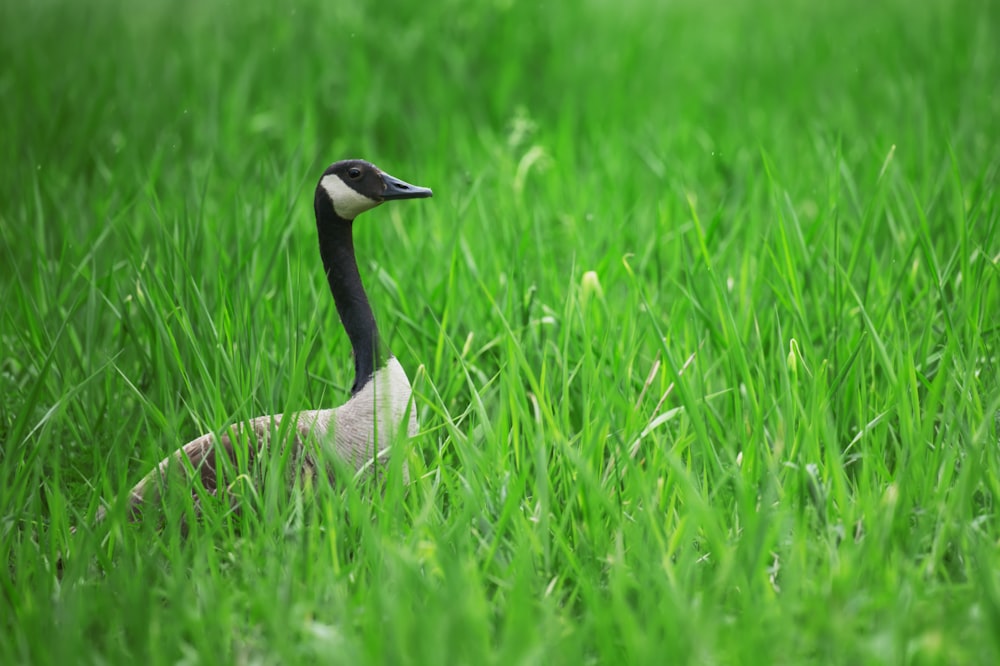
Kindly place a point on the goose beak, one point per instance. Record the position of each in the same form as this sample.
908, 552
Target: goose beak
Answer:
397, 189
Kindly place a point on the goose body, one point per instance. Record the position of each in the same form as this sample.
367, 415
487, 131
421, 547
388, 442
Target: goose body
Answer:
379, 411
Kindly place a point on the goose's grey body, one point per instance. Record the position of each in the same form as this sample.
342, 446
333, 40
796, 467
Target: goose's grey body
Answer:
379, 412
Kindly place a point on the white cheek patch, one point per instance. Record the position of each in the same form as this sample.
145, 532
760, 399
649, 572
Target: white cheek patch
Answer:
348, 203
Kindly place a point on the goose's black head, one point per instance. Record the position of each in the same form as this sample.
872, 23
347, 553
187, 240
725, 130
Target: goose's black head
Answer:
354, 186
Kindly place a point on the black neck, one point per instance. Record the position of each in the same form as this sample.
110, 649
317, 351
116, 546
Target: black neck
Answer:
336, 247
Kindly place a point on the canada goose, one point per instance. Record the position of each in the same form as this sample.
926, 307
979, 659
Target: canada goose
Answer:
360, 430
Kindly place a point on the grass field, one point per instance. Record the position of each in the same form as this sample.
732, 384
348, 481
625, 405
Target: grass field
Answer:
702, 322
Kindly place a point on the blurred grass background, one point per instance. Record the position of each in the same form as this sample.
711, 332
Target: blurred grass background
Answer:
768, 437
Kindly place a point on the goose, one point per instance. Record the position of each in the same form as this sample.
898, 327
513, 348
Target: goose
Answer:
360, 431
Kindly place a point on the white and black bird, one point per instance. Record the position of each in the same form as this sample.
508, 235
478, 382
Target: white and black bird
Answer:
360, 431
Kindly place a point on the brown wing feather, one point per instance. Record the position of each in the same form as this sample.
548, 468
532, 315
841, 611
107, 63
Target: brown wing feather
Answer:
207, 459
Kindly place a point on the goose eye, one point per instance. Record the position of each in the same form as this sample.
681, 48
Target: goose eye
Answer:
354, 173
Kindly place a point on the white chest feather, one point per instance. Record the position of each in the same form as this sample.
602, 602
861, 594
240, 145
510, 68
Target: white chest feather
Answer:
364, 427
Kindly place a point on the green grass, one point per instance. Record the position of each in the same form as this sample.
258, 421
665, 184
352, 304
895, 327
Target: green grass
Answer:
765, 434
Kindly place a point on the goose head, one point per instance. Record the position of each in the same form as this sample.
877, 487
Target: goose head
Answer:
355, 186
